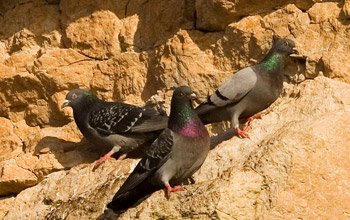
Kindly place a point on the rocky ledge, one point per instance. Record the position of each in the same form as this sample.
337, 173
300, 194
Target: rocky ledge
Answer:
294, 166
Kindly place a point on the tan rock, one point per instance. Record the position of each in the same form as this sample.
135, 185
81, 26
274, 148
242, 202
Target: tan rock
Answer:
10, 144
60, 189
122, 78
54, 149
52, 65
48, 163
215, 15
5, 204
321, 12
128, 32
24, 132
98, 36
180, 61
206, 200
269, 176
37, 16
294, 166
336, 63
346, 8
18, 90
27, 27
319, 56
16, 174
156, 29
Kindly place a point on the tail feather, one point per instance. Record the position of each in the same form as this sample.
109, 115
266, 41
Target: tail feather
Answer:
204, 108
132, 197
203, 111
224, 136
155, 123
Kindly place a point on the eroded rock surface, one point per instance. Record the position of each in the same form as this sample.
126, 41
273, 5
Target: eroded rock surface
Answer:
295, 165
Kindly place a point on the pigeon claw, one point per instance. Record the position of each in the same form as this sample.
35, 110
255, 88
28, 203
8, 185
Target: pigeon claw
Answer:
242, 133
250, 119
102, 159
121, 157
172, 189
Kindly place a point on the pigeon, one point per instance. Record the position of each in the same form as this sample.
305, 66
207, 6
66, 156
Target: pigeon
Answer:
173, 157
116, 125
249, 91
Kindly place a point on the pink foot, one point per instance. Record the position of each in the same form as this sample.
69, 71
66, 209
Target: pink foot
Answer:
172, 189
102, 159
121, 157
250, 119
243, 133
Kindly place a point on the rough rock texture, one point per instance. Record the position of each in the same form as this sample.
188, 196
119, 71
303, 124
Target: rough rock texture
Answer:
295, 166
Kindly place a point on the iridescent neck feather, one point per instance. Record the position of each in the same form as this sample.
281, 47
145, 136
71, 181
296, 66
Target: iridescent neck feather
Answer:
192, 128
187, 123
273, 62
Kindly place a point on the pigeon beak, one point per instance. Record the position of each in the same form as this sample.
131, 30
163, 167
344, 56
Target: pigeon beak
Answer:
295, 51
193, 97
65, 104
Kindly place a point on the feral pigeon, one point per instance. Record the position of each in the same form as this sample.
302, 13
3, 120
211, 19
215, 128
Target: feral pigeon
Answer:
249, 91
117, 125
174, 156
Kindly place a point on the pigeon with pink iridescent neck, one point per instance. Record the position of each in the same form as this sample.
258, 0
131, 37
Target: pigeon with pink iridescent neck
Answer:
174, 156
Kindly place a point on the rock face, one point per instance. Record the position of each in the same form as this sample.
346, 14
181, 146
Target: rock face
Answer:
295, 165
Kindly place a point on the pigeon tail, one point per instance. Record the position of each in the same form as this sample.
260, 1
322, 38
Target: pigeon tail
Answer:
132, 198
224, 136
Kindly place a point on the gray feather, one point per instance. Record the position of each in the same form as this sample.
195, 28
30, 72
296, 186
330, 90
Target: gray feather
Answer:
235, 88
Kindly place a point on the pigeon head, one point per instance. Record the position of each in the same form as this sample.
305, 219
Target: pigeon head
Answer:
78, 97
275, 58
183, 119
284, 46
183, 94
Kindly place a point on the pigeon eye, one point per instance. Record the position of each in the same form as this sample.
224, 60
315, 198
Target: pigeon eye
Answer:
182, 94
74, 96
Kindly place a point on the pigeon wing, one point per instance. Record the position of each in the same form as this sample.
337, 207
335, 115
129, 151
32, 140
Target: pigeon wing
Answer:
151, 120
231, 91
155, 157
110, 117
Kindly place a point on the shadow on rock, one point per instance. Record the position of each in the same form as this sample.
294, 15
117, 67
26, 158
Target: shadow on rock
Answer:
68, 153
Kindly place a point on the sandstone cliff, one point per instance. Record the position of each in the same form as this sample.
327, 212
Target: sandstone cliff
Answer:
295, 166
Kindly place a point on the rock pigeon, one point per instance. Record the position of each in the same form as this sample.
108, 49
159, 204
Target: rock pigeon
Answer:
249, 91
174, 156
116, 125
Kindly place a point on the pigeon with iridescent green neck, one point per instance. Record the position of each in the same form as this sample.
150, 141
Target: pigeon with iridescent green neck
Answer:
172, 158
249, 91
119, 126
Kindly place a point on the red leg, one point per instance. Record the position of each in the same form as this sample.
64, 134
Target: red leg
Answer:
172, 189
250, 119
108, 156
102, 159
